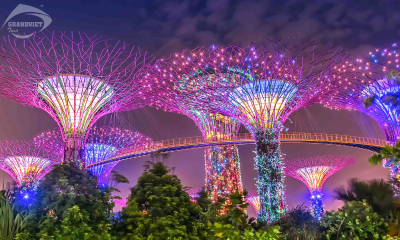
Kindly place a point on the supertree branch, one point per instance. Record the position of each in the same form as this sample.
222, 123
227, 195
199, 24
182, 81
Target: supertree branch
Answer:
26, 161
51, 141
260, 85
105, 142
313, 172
254, 200
76, 79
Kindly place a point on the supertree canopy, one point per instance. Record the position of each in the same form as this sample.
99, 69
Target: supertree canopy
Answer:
26, 161
254, 200
370, 85
193, 193
313, 172
104, 142
260, 85
221, 162
51, 141
76, 79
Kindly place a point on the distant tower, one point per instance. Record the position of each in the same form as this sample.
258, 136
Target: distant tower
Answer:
27, 162
313, 172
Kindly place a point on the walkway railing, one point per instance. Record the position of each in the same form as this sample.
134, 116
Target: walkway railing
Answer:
242, 138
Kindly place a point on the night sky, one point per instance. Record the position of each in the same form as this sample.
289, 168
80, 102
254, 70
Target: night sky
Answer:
163, 27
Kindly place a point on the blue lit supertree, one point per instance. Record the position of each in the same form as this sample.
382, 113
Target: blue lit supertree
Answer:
105, 142
260, 85
371, 85
313, 172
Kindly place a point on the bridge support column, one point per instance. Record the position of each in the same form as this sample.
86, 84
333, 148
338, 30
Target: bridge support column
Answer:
222, 171
270, 181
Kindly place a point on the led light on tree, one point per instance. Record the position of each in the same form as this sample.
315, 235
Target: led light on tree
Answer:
313, 172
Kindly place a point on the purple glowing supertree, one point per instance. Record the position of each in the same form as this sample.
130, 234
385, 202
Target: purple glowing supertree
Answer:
313, 172
75, 78
26, 161
103, 143
260, 85
222, 163
254, 200
372, 79
193, 193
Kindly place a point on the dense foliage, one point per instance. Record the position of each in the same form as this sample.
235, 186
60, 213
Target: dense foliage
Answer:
67, 191
69, 204
356, 220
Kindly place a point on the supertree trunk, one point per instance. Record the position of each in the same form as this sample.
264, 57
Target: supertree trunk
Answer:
222, 171
317, 207
73, 152
394, 174
270, 181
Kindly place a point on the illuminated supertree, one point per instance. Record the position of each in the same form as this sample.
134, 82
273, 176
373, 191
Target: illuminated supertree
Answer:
313, 172
260, 85
254, 200
26, 161
372, 79
76, 79
103, 143
222, 163
194, 193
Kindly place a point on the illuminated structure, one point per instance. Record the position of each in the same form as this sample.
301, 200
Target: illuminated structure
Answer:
313, 172
194, 193
51, 141
26, 161
254, 200
260, 85
104, 142
368, 79
221, 162
75, 79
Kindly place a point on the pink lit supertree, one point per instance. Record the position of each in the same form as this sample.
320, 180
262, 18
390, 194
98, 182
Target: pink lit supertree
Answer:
371, 85
193, 193
260, 85
313, 172
75, 78
254, 200
222, 163
104, 142
26, 161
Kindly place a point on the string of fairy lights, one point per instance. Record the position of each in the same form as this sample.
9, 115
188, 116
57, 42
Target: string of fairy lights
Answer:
258, 85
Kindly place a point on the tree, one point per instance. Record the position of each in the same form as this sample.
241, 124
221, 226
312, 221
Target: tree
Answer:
299, 224
356, 220
235, 225
377, 193
159, 208
389, 98
73, 226
11, 221
63, 188
387, 152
